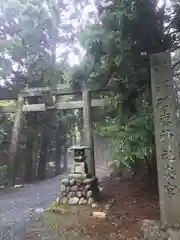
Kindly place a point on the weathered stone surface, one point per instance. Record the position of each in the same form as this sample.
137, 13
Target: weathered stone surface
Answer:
82, 201
91, 200
174, 234
88, 180
79, 194
72, 182
73, 201
166, 136
63, 194
152, 230
74, 188
64, 200
62, 188
70, 195
84, 193
87, 187
89, 194
78, 182
65, 181
73, 194
77, 176
80, 188
79, 168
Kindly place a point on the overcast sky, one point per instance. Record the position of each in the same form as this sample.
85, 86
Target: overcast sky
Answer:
86, 17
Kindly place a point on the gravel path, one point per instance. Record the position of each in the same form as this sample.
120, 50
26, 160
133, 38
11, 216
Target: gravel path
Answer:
18, 206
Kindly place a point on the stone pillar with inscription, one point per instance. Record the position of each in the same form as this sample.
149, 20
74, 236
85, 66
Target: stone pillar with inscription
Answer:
166, 135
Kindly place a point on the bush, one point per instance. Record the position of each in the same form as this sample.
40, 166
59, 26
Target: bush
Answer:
132, 138
3, 175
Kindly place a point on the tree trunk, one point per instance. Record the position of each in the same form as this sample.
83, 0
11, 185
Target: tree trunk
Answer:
41, 173
80, 126
58, 149
58, 159
65, 165
57, 152
28, 177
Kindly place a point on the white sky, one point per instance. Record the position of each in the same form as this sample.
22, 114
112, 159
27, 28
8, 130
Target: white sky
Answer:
73, 58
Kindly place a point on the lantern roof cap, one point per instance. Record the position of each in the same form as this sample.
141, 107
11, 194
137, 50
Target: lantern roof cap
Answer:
78, 147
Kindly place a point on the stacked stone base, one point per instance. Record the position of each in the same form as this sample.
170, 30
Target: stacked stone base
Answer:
79, 190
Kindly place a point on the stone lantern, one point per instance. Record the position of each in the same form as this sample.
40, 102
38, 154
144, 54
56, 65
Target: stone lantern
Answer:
80, 166
79, 187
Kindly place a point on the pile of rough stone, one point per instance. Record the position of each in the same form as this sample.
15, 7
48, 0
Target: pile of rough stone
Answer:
79, 191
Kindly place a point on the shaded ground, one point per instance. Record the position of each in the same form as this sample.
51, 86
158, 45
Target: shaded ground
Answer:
133, 201
18, 205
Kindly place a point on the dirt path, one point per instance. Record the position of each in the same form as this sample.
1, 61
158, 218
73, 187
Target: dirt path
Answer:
132, 201
18, 206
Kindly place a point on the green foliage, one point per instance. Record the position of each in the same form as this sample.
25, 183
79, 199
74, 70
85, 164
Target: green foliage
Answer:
30, 33
120, 43
132, 140
5, 124
117, 43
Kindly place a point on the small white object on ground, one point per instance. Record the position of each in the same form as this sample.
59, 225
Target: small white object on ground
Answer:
94, 205
18, 186
101, 215
39, 210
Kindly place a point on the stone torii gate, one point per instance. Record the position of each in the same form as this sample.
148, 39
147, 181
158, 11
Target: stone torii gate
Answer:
49, 95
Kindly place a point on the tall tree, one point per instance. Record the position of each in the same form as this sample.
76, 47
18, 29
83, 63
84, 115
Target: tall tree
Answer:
118, 44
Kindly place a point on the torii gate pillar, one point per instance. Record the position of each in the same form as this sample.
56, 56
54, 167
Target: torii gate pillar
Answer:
88, 130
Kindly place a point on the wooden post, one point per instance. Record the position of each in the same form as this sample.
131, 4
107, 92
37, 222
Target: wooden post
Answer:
88, 131
166, 135
14, 145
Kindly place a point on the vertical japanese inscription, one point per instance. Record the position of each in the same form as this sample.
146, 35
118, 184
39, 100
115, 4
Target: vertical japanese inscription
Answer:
165, 134
165, 122
169, 172
163, 106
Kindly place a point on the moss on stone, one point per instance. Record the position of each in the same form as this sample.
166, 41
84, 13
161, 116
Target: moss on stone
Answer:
57, 207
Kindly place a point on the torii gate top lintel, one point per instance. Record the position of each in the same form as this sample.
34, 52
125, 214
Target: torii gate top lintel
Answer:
60, 90
49, 94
